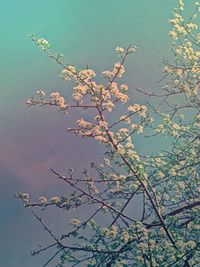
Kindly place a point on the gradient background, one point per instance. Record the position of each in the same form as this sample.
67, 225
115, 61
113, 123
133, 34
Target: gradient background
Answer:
34, 140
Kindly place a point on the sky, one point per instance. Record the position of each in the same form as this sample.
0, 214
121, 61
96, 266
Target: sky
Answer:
34, 140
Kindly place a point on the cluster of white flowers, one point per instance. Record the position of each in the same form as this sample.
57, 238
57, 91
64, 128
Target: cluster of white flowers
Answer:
43, 43
137, 127
59, 100
118, 94
119, 49
69, 73
55, 200
124, 87
24, 196
110, 232
84, 124
41, 93
43, 200
87, 74
117, 71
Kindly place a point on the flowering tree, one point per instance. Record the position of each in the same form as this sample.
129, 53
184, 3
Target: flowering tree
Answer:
167, 183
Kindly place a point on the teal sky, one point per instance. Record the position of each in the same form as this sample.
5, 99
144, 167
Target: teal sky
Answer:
34, 140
